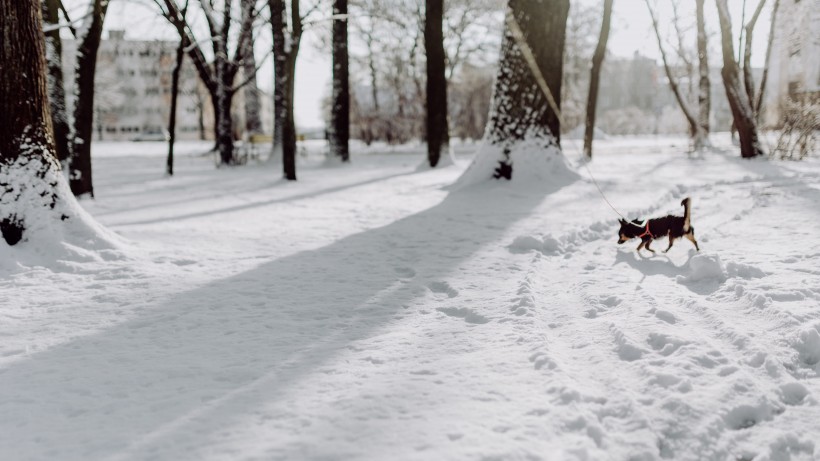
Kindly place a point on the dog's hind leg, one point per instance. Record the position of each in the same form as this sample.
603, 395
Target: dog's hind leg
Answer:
691, 237
671, 241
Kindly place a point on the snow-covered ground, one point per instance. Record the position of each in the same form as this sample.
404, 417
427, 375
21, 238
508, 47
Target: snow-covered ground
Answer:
368, 312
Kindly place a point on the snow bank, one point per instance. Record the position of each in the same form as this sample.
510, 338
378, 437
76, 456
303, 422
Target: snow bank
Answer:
55, 226
546, 244
533, 165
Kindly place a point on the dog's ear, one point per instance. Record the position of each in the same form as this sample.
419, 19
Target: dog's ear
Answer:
622, 221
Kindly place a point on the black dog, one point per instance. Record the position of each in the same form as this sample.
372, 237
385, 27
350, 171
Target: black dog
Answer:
669, 226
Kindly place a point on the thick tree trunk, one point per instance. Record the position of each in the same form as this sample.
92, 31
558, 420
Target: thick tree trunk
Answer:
278, 19
340, 110
56, 91
437, 128
704, 84
80, 178
289, 123
739, 103
765, 76
29, 171
224, 121
524, 120
595, 77
172, 122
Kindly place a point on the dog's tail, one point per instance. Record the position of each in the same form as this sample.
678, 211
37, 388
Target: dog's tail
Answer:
687, 215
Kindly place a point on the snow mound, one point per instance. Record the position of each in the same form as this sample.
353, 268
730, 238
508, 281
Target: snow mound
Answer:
743, 271
56, 227
533, 163
704, 267
807, 346
546, 244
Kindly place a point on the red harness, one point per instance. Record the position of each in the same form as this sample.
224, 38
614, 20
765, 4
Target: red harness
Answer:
646, 232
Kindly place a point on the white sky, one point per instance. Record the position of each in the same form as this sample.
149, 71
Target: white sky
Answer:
631, 32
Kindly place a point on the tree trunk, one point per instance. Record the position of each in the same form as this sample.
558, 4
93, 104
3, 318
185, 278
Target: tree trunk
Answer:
748, 80
340, 110
29, 171
253, 108
739, 103
79, 175
765, 76
437, 129
525, 110
285, 50
704, 85
172, 122
695, 130
56, 91
595, 77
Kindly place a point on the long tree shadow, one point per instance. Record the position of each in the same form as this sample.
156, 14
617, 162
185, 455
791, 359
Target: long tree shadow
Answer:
186, 369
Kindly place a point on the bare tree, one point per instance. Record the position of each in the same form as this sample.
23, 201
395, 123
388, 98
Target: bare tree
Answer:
741, 106
699, 137
748, 80
594, 79
29, 171
172, 121
340, 109
437, 130
229, 53
253, 106
704, 84
765, 76
286, 41
89, 35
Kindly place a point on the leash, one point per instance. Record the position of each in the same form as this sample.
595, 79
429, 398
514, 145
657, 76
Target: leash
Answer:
529, 57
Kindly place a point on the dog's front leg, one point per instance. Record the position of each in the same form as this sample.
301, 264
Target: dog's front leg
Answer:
647, 245
641, 246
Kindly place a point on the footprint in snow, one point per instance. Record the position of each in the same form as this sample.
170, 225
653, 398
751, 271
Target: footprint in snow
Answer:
462, 313
405, 272
443, 288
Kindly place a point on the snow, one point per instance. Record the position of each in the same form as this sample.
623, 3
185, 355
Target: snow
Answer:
369, 312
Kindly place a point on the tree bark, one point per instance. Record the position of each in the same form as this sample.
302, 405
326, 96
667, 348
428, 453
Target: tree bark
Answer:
253, 108
285, 51
56, 90
595, 77
340, 109
704, 84
172, 122
437, 127
29, 171
534, 36
765, 76
80, 178
739, 103
748, 80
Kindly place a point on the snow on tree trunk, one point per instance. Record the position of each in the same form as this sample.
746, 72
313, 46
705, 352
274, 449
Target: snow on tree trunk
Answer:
88, 36
35, 201
437, 127
595, 77
704, 85
340, 108
285, 51
56, 89
741, 107
253, 108
522, 138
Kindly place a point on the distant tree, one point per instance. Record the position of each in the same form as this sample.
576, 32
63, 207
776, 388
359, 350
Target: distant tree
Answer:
437, 128
286, 41
229, 52
704, 84
699, 136
89, 35
253, 105
56, 89
527, 96
340, 104
765, 76
739, 102
172, 118
29, 171
595, 77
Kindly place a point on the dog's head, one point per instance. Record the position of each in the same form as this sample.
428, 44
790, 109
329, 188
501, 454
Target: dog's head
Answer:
628, 230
